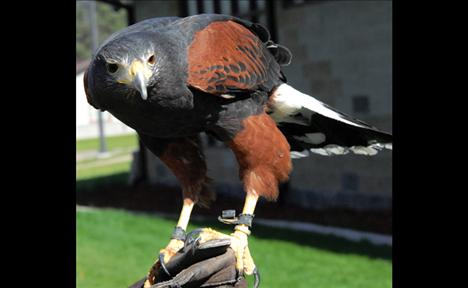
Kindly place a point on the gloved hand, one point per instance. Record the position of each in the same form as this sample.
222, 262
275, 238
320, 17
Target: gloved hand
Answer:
208, 264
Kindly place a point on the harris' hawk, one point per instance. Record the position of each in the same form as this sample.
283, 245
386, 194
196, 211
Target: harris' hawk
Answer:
172, 78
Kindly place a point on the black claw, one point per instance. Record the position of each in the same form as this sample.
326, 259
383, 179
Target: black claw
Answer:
161, 261
257, 277
196, 244
189, 238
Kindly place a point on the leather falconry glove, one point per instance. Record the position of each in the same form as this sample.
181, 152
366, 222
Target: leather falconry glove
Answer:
208, 264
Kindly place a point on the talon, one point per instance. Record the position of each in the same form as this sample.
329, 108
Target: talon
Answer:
161, 262
189, 238
257, 277
164, 257
196, 241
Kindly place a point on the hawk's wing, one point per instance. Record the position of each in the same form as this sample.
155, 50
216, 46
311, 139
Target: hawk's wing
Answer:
226, 57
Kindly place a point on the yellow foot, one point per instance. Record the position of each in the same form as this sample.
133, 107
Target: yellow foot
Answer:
239, 244
171, 249
165, 255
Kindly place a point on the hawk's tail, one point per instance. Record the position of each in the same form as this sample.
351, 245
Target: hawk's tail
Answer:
312, 126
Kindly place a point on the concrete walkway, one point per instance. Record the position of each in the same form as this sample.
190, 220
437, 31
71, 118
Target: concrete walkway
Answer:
104, 162
349, 234
94, 154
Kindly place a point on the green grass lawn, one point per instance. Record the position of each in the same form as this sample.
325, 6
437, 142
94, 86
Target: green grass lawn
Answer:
115, 248
126, 141
119, 161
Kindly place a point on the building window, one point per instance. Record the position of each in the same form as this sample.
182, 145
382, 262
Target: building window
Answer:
361, 104
249, 9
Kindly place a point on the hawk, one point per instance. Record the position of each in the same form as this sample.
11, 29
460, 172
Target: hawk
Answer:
173, 78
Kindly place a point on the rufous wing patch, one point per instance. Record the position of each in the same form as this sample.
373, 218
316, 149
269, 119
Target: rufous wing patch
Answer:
226, 57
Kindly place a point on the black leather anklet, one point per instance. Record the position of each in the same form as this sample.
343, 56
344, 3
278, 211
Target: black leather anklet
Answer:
229, 217
178, 234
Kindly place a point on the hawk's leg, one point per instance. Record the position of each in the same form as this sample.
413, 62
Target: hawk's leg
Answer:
178, 236
239, 242
244, 262
176, 243
185, 158
264, 161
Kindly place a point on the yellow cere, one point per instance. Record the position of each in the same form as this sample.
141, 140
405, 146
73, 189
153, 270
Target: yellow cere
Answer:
135, 67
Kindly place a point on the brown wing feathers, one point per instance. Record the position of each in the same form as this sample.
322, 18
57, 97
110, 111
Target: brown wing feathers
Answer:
226, 57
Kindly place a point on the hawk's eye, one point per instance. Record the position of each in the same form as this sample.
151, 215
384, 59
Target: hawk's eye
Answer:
112, 67
151, 60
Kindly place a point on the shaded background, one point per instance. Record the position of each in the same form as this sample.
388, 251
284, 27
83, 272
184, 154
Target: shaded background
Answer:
342, 55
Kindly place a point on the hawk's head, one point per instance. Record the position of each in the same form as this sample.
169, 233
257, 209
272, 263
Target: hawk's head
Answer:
123, 70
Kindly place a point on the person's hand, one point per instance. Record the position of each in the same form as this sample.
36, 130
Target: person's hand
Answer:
211, 263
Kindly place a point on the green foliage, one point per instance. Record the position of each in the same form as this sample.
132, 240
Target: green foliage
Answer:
115, 248
108, 21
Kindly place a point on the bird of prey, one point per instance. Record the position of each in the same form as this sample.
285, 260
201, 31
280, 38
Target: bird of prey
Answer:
173, 78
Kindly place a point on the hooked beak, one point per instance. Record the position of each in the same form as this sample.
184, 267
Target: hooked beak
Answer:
139, 82
137, 76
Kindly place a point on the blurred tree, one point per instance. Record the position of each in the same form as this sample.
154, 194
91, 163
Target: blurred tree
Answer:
108, 21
